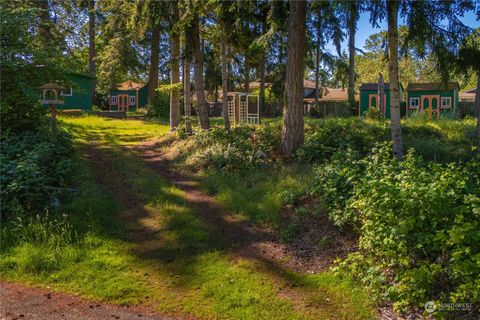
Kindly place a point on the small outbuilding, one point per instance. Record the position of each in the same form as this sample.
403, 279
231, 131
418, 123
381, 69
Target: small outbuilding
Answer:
468, 96
433, 98
128, 96
75, 93
331, 102
369, 98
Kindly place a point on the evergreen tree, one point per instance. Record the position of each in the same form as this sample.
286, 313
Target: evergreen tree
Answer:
175, 68
293, 126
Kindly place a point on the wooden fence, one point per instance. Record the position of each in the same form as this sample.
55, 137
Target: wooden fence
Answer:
113, 114
330, 109
466, 109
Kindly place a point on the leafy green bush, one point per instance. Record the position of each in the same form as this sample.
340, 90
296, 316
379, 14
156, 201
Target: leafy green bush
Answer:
237, 149
334, 183
374, 114
323, 141
419, 229
160, 108
35, 170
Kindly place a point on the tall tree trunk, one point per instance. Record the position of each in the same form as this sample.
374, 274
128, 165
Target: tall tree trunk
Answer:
199, 80
352, 22
317, 62
293, 126
261, 93
44, 27
154, 58
223, 52
246, 75
477, 110
381, 94
187, 95
280, 62
175, 78
395, 125
91, 47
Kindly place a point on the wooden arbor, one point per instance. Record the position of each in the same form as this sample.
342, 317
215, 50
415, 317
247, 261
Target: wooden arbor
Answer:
50, 93
243, 108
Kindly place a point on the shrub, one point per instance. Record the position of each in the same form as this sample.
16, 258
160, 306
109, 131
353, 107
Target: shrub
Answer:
237, 149
374, 114
334, 183
419, 225
35, 170
340, 134
160, 108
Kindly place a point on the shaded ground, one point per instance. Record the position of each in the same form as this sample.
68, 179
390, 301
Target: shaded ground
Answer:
20, 302
194, 255
235, 237
319, 243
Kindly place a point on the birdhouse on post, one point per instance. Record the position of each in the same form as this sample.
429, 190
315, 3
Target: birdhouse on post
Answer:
50, 93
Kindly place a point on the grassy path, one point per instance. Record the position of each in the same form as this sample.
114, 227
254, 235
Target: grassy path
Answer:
159, 241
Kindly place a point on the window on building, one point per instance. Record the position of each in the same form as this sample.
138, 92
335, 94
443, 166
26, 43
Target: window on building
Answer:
446, 102
66, 92
113, 99
414, 103
132, 100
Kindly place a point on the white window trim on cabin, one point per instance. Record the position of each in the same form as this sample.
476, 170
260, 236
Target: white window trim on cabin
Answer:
131, 100
412, 105
446, 105
113, 100
62, 93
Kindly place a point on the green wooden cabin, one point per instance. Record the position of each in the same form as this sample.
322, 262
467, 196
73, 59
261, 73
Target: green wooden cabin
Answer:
77, 92
369, 98
128, 96
433, 99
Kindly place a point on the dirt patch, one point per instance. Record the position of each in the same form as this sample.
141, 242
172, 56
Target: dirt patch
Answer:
315, 242
19, 302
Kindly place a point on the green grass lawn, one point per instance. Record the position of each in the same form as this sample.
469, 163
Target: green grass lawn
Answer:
114, 131
189, 271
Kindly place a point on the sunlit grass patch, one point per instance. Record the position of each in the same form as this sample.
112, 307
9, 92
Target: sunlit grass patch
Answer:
118, 131
260, 194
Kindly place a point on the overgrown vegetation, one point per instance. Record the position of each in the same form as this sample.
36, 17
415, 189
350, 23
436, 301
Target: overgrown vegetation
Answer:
238, 149
415, 219
68, 247
35, 172
416, 222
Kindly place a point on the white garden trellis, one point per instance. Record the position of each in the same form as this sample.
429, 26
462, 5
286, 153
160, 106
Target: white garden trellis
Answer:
243, 108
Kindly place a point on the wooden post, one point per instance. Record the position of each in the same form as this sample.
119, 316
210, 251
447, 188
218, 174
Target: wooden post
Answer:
381, 94
53, 112
136, 100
